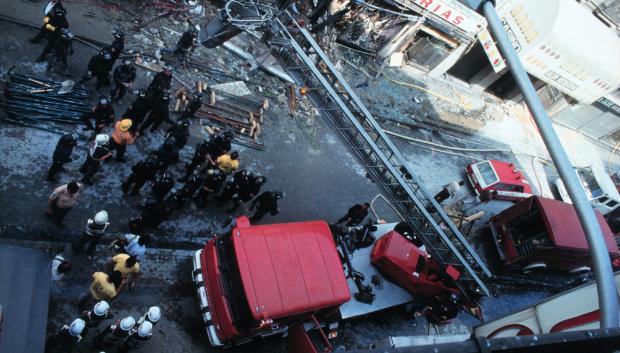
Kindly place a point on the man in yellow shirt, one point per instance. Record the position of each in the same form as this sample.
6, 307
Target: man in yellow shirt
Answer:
103, 287
128, 266
228, 163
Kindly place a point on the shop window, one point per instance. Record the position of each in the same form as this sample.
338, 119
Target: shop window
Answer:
427, 51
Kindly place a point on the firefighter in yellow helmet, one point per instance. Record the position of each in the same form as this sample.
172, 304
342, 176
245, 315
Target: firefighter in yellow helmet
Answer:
122, 137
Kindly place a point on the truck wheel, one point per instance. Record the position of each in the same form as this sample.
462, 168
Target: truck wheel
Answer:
580, 270
534, 267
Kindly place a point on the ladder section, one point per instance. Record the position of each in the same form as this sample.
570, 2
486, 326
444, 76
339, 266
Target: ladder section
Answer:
344, 111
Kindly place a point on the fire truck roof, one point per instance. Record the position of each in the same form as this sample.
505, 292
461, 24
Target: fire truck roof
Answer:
564, 227
509, 174
289, 269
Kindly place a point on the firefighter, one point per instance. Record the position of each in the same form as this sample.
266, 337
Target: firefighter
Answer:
200, 156
443, 310
141, 172
96, 228
116, 333
118, 44
160, 84
227, 163
158, 114
99, 66
152, 213
121, 137
266, 202
175, 200
162, 185
192, 185
143, 333
232, 187
194, 105
355, 215
179, 133
448, 191
99, 313
68, 337
167, 155
62, 155
220, 144
187, 42
138, 110
99, 150
153, 316
102, 113
209, 150
53, 21
213, 181
59, 47
123, 76
248, 190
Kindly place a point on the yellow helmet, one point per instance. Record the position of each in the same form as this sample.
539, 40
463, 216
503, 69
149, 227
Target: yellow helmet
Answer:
125, 124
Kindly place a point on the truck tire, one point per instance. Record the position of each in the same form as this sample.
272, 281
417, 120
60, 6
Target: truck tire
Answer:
534, 267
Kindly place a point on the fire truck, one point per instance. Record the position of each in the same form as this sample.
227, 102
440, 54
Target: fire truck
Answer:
575, 309
265, 280
539, 233
507, 182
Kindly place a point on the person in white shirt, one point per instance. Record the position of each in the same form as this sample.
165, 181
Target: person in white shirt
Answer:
59, 267
136, 245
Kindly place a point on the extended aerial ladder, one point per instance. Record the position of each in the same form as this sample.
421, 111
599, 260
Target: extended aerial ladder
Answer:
310, 67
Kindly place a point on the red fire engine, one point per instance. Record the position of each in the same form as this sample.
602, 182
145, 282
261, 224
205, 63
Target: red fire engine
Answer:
258, 280
540, 233
503, 178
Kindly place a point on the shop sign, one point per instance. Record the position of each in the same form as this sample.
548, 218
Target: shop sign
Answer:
606, 105
511, 35
497, 62
454, 13
560, 80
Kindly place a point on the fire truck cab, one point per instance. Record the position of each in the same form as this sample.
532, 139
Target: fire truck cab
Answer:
260, 280
501, 177
413, 269
540, 233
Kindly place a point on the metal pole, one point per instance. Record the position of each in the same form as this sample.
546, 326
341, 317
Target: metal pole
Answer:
605, 283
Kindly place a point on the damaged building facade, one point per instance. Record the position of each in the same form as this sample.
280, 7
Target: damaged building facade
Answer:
435, 40
570, 49
571, 55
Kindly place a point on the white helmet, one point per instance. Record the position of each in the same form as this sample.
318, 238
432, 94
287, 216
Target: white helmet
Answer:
102, 307
127, 323
101, 217
145, 329
76, 327
102, 139
154, 314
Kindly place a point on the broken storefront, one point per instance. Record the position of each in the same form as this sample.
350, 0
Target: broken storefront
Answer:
434, 40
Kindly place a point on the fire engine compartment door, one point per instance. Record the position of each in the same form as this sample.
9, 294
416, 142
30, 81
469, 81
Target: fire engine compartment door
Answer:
307, 337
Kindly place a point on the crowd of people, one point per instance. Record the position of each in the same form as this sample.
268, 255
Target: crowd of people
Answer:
213, 175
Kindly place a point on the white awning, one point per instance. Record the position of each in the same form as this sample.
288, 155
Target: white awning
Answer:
563, 44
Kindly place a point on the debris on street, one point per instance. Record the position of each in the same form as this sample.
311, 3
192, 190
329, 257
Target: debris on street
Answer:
241, 129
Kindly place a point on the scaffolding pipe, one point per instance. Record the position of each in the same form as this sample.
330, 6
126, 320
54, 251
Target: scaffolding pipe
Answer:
605, 283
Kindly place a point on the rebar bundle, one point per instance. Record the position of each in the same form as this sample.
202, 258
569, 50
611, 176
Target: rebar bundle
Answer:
41, 103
